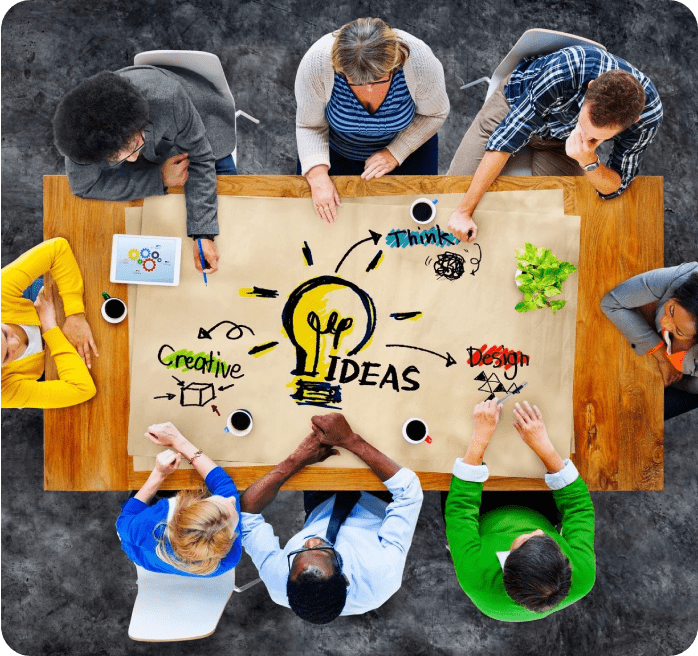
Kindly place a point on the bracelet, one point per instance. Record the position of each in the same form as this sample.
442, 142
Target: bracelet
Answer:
195, 456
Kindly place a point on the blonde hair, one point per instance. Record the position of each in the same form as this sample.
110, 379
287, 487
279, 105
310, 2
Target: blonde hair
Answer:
367, 50
200, 533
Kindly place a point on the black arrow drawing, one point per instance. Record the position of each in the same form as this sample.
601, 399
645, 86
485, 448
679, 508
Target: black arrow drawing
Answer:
179, 382
374, 238
449, 359
475, 260
221, 389
169, 397
206, 334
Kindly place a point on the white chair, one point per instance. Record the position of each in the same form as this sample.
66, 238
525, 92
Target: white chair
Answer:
205, 64
170, 607
532, 43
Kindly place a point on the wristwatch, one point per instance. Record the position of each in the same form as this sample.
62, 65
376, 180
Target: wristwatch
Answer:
593, 166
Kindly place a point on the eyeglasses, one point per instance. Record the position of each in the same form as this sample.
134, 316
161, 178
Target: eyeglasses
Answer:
386, 81
133, 152
337, 558
337, 562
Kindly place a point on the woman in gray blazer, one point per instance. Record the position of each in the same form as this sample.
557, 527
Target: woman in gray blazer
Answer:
657, 312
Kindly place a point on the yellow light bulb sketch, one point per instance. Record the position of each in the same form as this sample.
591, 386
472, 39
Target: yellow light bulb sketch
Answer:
323, 315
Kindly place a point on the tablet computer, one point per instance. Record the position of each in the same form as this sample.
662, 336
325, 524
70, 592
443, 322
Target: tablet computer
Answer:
145, 260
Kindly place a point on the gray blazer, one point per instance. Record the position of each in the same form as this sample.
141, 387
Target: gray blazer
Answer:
658, 285
187, 115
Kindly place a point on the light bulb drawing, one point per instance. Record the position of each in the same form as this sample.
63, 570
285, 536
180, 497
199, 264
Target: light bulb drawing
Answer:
323, 313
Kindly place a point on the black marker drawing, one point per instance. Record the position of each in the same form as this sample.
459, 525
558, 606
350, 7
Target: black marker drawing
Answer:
236, 330
491, 383
322, 395
261, 348
307, 254
448, 357
374, 262
449, 265
333, 327
475, 260
167, 396
260, 292
197, 394
222, 388
375, 237
401, 316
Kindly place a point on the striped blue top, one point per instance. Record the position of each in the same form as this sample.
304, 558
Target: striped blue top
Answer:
356, 133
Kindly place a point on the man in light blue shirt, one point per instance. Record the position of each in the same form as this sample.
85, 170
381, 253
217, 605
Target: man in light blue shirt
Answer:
339, 564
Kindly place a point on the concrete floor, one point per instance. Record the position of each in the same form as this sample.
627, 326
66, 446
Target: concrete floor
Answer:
66, 586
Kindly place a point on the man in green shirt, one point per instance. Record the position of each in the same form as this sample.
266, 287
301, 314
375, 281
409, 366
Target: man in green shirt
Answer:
512, 562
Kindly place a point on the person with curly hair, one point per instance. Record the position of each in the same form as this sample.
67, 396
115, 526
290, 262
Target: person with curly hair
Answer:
195, 533
562, 107
137, 131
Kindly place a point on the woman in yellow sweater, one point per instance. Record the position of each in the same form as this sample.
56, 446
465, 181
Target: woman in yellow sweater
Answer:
21, 339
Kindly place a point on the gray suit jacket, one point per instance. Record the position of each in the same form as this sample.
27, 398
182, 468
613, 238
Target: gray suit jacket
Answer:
187, 115
658, 285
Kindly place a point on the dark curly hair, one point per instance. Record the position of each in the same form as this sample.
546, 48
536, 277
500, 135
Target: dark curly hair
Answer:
686, 295
537, 575
316, 598
98, 118
616, 98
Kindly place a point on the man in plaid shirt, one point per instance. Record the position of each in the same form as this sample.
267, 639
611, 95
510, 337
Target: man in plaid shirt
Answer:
562, 106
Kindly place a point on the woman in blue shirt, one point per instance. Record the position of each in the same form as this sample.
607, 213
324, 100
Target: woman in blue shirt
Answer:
192, 534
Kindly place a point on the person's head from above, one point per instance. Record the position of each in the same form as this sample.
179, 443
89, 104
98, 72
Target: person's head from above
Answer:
101, 120
200, 533
537, 574
613, 102
316, 587
681, 311
12, 345
367, 51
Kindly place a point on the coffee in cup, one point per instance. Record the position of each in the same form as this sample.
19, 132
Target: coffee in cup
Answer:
423, 211
239, 422
114, 310
416, 431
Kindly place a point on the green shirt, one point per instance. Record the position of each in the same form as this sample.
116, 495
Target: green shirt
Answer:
474, 542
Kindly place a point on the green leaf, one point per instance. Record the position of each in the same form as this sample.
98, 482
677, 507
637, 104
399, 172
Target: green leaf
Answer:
524, 307
552, 291
557, 305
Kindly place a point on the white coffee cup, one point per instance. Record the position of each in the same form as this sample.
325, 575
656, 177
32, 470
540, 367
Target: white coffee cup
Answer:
419, 215
242, 417
114, 310
416, 431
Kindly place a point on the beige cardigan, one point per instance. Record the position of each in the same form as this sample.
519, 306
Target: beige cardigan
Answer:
424, 76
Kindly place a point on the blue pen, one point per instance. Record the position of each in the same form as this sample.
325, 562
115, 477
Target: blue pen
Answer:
203, 261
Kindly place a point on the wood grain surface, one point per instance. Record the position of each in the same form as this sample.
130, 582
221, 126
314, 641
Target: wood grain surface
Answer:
617, 395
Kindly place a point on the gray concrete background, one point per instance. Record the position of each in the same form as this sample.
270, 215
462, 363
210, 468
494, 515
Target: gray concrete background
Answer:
66, 586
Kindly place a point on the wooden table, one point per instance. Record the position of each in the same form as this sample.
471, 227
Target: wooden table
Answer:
617, 396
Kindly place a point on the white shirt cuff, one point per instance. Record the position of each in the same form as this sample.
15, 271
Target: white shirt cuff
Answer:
564, 477
472, 473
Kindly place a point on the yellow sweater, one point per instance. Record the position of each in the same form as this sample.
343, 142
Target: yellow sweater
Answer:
20, 388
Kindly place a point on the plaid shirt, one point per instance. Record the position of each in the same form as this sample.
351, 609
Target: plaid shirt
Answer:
546, 96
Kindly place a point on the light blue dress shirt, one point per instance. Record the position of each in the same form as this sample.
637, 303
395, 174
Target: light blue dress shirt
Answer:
372, 542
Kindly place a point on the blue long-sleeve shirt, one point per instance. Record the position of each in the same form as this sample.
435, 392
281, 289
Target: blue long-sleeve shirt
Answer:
372, 543
546, 95
139, 525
